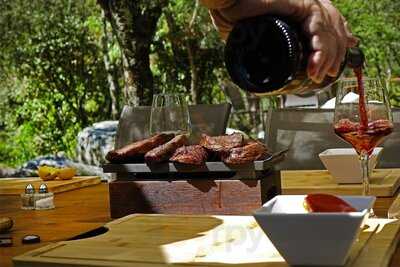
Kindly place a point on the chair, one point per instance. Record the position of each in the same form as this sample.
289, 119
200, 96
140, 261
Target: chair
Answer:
133, 125
308, 132
135, 121
391, 147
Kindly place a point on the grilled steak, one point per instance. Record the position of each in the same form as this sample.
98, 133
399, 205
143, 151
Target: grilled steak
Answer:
194, 155
165, 151
135, 151
222, 143
250, 152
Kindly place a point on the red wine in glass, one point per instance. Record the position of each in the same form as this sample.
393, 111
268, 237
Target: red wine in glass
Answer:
364, 138
363, 123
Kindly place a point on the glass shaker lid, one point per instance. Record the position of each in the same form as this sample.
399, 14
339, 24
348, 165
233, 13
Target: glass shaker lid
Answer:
43, 189
29, 189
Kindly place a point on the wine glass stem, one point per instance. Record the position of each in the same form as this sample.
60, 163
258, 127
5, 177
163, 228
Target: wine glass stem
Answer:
364, 157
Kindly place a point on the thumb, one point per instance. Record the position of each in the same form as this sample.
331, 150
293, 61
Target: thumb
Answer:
352, 41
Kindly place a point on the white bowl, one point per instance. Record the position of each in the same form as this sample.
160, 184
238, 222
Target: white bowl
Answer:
304, 238
344, 166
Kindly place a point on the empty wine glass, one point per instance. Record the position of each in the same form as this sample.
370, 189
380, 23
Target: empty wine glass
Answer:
169, 114
363, 118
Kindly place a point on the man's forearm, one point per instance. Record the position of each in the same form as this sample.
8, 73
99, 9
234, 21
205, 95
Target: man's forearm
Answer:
217, 4
225, 13
251, 8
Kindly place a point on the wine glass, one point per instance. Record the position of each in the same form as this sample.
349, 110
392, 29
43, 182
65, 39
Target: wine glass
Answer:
363, 118
169, 114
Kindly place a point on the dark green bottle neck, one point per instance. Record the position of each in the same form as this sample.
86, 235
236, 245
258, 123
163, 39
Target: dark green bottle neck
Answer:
355, 58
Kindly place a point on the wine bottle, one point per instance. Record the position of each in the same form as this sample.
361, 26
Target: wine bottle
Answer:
268, 55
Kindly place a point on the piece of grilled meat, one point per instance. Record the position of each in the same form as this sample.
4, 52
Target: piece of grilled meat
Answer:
248, 153
194, 155
134, 152
221, 143
165, 151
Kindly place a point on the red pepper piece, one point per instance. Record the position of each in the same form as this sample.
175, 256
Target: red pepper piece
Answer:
326, 203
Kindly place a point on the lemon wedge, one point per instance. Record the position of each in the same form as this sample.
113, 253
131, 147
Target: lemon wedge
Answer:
47, 173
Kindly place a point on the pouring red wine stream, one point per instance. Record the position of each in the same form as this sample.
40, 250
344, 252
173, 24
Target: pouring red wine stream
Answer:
361, 100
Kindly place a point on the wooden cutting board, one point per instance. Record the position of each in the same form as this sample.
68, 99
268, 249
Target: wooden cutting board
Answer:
158, 240
384, 183
16, 186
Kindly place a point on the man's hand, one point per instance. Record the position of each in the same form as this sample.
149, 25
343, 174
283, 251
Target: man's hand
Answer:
324, 25
329, 37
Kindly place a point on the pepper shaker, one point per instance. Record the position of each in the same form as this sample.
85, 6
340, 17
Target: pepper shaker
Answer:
44, 200
27, 198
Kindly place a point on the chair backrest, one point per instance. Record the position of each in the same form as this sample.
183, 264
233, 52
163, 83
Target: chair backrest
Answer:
135, 121
391, 147
133, 124
308, 132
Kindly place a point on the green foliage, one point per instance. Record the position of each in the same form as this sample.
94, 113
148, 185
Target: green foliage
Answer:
178, 32
60, 85
376, 23
53, 80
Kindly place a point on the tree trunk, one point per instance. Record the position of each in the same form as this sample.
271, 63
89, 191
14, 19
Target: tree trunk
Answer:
176, 46
134, 23
194, 74
111, 79
188, 43
194, 84
253, 107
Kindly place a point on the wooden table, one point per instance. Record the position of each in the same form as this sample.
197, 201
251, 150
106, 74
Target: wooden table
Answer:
77, 212
320, 181
383, 183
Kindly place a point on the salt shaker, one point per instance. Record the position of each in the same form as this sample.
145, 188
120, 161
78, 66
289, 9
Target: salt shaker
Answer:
44, 200
27, 198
